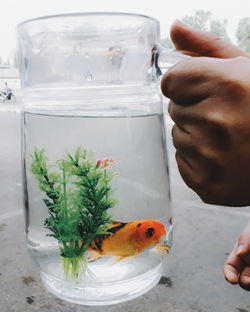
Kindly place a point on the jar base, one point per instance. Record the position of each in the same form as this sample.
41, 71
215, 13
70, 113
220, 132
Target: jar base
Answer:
103, 293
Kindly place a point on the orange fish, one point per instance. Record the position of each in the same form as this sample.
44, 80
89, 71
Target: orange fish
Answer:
129, 239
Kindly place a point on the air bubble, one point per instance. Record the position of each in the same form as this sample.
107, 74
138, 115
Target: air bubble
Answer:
139, 30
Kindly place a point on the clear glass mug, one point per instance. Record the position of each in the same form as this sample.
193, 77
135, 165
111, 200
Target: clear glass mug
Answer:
95, 169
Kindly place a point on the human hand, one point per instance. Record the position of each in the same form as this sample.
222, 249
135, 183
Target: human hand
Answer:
237, 266
210, 105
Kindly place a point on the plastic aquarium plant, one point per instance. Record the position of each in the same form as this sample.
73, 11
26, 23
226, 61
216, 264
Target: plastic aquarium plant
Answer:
78, 197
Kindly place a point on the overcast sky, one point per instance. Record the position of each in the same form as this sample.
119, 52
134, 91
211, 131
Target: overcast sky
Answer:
166, 11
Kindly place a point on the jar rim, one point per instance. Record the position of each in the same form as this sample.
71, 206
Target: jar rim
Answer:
86, 14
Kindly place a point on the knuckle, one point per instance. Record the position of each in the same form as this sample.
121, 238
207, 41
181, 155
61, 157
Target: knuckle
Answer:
170, 108
177, 75
181, 141
177, 142
201, 183
210, 155
215, 119
233, 89
173, 132
169, 82
202, 149
173, 111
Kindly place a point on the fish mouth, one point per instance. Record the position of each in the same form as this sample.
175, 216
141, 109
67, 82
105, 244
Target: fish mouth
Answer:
162, 241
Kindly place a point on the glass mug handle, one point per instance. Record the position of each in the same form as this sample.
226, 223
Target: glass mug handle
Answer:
166, 58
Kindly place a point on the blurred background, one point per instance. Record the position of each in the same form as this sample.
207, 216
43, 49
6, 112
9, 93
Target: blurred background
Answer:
204, 234
228, 20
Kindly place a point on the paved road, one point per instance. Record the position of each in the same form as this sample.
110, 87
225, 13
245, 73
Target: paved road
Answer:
192, 281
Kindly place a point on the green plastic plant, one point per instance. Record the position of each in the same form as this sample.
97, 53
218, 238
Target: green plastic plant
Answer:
78, 197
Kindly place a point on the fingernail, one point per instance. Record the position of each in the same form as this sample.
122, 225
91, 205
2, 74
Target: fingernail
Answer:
231, 277
183, 24
246, 279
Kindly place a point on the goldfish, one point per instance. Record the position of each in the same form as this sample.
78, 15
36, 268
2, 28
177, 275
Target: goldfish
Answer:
129, 240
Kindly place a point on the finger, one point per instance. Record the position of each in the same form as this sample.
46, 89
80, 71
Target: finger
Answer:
180, 115
187, 116
202, 43
192, 80
233, 266
231, 274
196, 161
244, 279
182, 142
185, 168
194, 169
205, 127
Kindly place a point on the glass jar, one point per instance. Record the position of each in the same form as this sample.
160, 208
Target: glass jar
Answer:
95, 169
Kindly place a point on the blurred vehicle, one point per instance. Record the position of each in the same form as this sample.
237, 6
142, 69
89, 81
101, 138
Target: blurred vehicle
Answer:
7, 95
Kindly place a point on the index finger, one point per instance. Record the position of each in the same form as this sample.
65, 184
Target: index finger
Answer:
192, 80
233, 266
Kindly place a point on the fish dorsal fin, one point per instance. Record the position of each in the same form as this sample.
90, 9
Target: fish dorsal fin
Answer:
116, 226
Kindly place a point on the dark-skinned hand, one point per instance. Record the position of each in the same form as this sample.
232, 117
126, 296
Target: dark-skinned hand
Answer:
210, 105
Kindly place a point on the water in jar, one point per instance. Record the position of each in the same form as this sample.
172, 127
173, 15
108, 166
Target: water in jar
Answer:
140, 185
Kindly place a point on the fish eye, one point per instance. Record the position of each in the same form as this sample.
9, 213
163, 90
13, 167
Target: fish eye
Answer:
150, 232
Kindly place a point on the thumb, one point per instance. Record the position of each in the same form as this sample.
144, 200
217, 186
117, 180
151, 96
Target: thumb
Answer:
200, 43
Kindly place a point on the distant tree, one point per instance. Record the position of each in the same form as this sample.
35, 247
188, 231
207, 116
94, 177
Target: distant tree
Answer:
243, 33
199, 21
203, 20
219, 29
